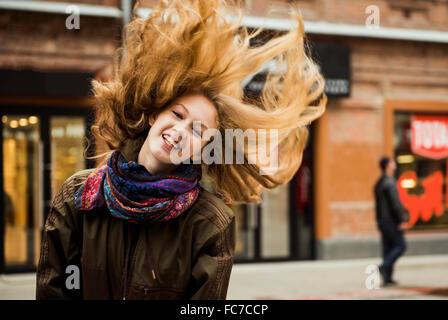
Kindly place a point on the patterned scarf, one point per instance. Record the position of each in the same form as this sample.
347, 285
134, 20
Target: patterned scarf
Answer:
131, 193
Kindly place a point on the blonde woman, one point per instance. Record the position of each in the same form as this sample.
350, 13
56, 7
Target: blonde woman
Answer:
141, 226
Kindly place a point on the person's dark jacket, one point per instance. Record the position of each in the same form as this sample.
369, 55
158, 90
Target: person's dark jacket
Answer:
192, 255
387, 201
9, 208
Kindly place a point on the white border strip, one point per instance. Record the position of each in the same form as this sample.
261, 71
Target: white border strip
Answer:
60, 8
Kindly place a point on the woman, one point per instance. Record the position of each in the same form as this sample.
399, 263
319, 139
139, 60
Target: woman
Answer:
141, 226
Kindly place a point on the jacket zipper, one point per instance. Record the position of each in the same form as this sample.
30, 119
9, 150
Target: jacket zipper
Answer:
149, 256
128, 261
147, 289
129, 258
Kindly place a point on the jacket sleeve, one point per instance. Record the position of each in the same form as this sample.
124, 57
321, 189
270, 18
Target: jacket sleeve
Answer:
60, 247
395, 203
211, 271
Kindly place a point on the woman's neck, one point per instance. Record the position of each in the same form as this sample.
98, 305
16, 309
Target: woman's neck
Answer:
153, 165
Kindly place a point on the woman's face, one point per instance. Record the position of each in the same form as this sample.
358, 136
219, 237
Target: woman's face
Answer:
172, 131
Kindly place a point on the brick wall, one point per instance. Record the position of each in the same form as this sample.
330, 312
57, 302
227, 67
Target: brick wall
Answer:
109, 3
42, 41
415, 14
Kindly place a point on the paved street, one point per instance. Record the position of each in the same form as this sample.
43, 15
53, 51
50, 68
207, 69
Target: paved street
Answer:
419, 277
17, 286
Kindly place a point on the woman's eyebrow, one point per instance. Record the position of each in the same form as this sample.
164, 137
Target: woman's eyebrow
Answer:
186, 110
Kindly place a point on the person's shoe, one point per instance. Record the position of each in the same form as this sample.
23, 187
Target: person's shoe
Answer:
390, 283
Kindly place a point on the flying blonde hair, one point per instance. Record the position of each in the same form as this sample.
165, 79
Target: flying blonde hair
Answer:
188, 46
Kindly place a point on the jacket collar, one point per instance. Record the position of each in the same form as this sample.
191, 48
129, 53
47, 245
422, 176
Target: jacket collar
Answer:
131, 148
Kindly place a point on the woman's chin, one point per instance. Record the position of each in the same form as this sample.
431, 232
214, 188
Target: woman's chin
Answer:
164, 157
172, 156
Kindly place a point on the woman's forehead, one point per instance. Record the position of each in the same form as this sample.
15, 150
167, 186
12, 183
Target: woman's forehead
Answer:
199, 107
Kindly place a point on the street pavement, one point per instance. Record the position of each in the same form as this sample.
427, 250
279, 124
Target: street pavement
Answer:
419, 277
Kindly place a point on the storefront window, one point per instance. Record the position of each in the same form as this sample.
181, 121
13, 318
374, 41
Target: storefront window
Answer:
275, 222
22, 187
66, 149
421, 153
23, 180
244, 248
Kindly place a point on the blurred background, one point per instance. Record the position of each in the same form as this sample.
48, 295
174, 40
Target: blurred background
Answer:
386, 72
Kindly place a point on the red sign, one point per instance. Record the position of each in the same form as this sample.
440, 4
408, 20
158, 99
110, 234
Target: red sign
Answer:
429, 136
426, 205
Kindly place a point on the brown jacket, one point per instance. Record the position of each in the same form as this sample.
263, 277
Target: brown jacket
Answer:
192, 255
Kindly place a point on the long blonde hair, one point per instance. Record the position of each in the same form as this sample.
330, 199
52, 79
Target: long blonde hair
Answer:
191, 45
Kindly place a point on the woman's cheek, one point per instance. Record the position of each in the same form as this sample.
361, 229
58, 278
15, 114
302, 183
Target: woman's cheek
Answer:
196, 148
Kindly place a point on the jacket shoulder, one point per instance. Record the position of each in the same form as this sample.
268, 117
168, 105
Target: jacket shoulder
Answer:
389, 182
385, 181
213, 209
67, 191
62, 212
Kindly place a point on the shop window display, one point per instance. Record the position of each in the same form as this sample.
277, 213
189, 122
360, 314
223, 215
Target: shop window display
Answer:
421, 153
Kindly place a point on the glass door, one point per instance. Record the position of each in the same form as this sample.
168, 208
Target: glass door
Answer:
66, 136
281, 227
302, 211
275, 223
38, 153
22, 189
247, 225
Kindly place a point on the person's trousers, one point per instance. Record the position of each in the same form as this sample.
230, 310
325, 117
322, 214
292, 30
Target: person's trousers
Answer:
393, 246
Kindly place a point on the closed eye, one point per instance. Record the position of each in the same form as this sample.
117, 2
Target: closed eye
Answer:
178, 115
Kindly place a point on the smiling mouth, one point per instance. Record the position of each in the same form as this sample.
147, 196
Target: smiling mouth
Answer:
170, 143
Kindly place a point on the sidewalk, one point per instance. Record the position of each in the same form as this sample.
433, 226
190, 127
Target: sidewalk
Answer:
419, 277
18, 286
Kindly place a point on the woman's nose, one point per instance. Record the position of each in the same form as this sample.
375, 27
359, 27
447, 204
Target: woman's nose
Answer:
178, 134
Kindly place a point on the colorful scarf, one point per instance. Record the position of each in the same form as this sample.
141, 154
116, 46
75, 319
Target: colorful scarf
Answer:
131, 193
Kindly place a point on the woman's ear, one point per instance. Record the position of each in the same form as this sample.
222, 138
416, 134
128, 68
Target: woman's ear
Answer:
152, 119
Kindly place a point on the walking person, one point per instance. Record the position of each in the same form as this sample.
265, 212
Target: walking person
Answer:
140, 225
391, 219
